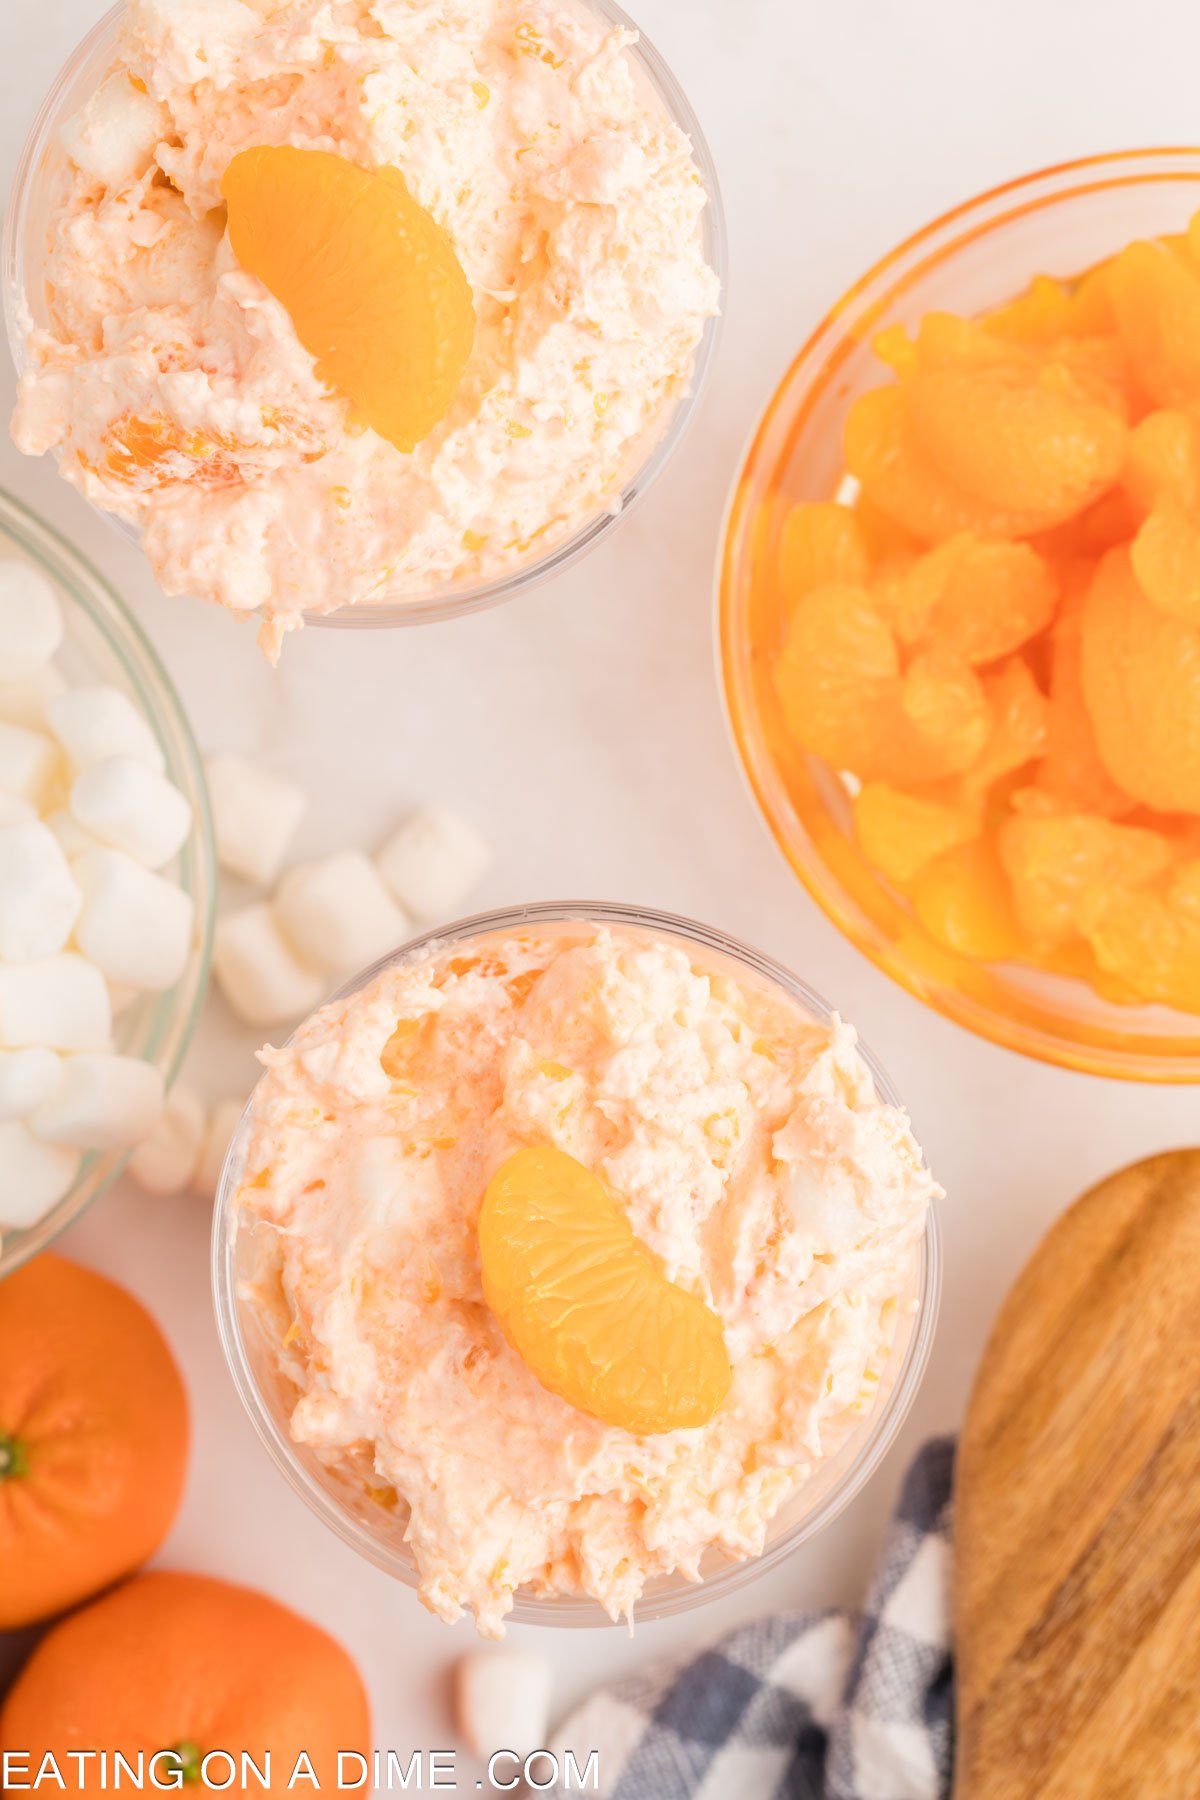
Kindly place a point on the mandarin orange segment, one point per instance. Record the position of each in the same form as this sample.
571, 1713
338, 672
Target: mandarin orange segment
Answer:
901, 833
901, 482
981, 600
837, 672
1166, 560
1024, 441
945, 718
1155, 292
962, 900
821, 542
1056, 863
1141, 683
157, 452
588, 1308
1163, 459
1151, 940
370, 279
1071, 772
1019, 732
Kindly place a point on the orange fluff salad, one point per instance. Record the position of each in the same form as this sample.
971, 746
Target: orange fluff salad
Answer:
993, 633
579, 1249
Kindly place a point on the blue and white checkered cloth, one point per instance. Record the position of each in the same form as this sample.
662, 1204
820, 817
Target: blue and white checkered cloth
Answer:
805, 1706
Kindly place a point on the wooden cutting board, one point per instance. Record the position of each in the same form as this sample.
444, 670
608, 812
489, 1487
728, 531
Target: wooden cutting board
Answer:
1077, 1511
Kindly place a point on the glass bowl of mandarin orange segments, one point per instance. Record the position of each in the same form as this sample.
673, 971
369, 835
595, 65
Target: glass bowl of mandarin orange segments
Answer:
353, 1510
24, 235
104, 643
959, 615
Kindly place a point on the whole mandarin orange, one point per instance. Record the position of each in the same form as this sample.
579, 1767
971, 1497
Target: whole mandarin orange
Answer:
188, 1666
93, 1437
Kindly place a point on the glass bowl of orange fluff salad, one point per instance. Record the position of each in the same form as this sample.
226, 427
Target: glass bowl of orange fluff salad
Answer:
367, 312
960, 615
574, 1264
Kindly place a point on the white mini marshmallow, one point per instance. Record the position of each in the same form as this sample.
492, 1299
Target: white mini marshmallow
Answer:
433, 861
165, 1162
114, 136
26, 1078
135, 926
30, 763
61, 1003
40, 899
255, 815
73, 839
34, 1176
101, 1103
24, 702
338, 915
132, 808
502, 1700
221, 1127
93, 723
259, 973
16, 812
31, 621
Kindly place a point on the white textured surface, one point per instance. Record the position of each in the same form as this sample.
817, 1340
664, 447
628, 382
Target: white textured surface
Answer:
581, 729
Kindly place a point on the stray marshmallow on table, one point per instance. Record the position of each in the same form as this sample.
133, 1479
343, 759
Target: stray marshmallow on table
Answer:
225, 1119
166, 1161
259, 973
432, 862
255, 815
502, 1701
337, 914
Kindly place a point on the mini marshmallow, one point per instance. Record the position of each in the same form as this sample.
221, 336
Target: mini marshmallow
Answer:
165, 1162
61, 1003
259, 973
34, 1176
337, 914
132, 808
93, 723
73, 840
135, 926
225, 1120
24, 702
114, 136
39, 897
255, 815
26, 1078
29, 763
101, 1103
31, 621
16, 812
502, 1700
433, 861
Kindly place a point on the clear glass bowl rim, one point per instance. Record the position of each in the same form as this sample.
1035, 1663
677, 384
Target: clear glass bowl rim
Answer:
422, 609
1092, 1050
879, 1429
177, 1012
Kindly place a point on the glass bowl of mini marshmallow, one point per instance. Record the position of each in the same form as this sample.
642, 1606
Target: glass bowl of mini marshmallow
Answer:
107, 885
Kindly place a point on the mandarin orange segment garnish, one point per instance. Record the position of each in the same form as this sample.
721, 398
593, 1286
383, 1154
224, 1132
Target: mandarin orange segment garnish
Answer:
588, 1307
994, 636
371, 281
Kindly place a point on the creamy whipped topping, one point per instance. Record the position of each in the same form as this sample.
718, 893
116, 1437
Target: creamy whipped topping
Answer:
749, 1149
574, 206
